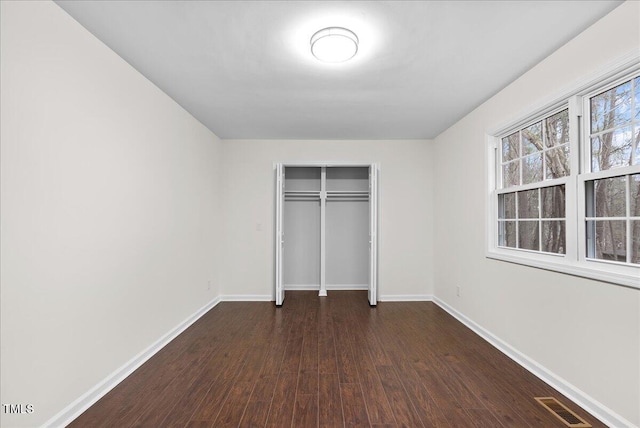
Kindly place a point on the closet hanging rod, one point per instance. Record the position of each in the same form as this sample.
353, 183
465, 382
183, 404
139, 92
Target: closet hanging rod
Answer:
347, 193
347, 198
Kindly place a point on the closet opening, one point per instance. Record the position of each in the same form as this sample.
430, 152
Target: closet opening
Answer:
326, 228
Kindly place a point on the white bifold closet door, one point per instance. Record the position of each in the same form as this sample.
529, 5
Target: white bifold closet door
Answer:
373, 234
279, 229
326, 228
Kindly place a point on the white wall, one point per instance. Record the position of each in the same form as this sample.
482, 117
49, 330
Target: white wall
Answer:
406, 220
584, 331
110, 201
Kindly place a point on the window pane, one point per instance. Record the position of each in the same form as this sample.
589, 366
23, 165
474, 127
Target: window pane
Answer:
611, 240
511, 174
595, 154
528, 238
557, 129
610, 197
532, 139
635, 241
553, 237
507, 234
553, 202
507, 205
511, 147
611, 149
532, 169
557, 162
611, 108
634, 193
528, 204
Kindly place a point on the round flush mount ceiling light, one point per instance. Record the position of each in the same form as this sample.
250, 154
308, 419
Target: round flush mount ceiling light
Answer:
334, 44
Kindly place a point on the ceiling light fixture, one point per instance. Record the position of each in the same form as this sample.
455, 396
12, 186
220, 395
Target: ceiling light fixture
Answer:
334, 44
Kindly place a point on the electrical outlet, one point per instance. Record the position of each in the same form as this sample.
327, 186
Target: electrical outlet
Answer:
458, 291
209, 285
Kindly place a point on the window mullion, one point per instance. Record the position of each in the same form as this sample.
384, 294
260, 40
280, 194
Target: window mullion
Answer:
628, 219
538, 185
543, 152
520, 158
609, 130
574, 242
539, 219
517, 222
614, 172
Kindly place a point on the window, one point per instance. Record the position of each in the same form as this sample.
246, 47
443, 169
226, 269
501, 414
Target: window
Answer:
613, 199
533, 219
565, 183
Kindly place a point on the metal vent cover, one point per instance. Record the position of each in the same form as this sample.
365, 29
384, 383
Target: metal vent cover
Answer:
562, 412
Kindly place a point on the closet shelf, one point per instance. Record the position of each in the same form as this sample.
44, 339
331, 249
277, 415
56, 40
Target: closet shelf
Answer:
302, 195
328, 193
301, 192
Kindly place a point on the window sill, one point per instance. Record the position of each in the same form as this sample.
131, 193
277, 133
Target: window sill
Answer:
628, 276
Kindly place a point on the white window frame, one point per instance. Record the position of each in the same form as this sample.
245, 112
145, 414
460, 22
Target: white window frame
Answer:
537, 185
574, 261
586, 166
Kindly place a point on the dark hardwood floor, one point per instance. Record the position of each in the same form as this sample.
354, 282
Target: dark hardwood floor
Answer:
327, 362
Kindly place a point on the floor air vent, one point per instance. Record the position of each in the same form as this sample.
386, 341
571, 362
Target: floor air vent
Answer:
560, 411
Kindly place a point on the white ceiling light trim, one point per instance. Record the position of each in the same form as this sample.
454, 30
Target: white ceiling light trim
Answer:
334, 44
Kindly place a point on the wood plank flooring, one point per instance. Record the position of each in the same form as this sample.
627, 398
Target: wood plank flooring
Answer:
327, 362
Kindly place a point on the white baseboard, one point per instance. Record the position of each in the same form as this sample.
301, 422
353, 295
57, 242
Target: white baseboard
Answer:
405, 298
76, 408
597, 409
247, 298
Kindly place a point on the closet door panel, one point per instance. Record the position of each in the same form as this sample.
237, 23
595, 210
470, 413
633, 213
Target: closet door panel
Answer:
347, 241
301, 243
373, 235
279, 234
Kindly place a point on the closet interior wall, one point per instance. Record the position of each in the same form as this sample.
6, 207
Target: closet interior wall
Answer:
301, 240
326, 227
347, 228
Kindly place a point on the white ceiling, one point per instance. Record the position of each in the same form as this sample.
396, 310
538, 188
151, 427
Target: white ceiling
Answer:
244, 69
